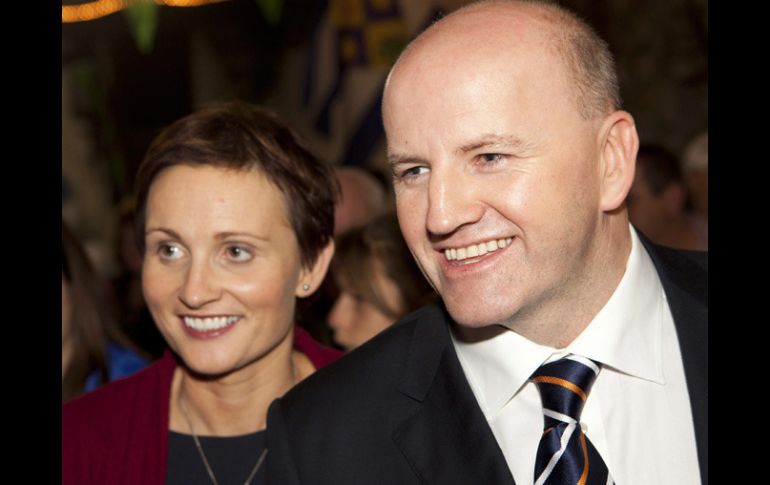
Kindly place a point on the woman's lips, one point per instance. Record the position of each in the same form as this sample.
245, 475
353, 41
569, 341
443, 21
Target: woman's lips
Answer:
208, 327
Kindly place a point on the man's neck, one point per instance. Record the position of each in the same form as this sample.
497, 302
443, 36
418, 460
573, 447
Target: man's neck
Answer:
558, 322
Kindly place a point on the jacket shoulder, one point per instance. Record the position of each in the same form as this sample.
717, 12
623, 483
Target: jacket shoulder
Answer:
371, 370
99, 416
682, 269
112, 431
102, 404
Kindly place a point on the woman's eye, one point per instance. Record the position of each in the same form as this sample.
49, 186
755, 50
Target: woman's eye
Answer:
169, 252
238, 253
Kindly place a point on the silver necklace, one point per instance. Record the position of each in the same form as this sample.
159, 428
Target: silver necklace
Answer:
203, 455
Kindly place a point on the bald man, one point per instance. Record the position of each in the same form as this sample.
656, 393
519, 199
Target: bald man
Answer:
567, 348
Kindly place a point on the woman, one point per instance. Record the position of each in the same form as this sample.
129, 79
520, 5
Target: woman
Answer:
378, 279
93, 350
235, 220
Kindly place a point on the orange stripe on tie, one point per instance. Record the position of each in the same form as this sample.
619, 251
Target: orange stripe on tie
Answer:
563, 383
584, 475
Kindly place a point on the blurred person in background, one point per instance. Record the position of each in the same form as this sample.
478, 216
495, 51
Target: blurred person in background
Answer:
94, 350
695, 166
136, 320
235, 220
658, 202
362, 197
378, 279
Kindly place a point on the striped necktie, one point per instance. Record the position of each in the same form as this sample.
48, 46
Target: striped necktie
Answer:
565, 455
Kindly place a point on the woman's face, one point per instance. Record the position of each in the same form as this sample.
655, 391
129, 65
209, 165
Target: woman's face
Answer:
221, 266
355, 320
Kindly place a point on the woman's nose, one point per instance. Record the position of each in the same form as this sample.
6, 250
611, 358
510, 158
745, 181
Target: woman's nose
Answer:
199, 287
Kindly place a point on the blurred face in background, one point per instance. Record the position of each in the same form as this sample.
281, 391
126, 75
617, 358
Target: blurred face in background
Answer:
66, 309
356, 320
66, 325
698, 186
646, 210
221, 267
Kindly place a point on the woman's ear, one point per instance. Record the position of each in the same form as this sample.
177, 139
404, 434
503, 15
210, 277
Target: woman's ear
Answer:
310, 278
619, 144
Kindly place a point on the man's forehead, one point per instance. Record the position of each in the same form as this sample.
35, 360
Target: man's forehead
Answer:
441, 89
489, 25
472, 43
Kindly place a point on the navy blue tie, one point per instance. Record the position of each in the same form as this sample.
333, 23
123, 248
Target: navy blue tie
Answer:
565, 456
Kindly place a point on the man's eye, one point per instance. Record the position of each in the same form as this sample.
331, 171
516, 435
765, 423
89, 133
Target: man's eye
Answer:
414, 171
492, 157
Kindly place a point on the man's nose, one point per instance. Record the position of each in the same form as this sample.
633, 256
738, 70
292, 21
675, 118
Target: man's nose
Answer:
199, 287
451, 201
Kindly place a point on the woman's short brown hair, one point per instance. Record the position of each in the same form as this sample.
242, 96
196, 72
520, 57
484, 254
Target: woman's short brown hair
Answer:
241, 136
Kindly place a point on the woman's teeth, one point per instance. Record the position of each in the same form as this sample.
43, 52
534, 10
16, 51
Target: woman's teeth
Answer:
209, 323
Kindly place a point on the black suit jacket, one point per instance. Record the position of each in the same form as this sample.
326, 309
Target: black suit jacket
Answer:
399, 410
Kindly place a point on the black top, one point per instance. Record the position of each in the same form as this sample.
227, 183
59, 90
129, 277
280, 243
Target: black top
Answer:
231, 458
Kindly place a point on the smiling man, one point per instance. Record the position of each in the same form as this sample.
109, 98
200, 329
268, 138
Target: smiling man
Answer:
568, 349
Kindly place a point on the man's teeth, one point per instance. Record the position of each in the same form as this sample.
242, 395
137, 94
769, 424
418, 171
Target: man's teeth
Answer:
209, 323
475, 250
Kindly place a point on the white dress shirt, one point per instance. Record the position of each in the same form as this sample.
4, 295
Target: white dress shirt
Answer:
638, 413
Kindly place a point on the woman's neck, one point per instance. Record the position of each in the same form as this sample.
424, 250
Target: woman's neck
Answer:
237, 403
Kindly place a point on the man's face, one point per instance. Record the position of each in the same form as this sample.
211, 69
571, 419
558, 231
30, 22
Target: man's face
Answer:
496, 178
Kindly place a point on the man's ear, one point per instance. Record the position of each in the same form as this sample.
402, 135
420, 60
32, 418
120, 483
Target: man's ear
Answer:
619, 143
310, 278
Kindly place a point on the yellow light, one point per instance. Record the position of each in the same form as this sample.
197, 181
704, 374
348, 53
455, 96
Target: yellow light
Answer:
186, 3
92, 10
100, 8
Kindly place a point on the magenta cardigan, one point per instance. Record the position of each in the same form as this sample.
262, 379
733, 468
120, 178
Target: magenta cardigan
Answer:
119, 433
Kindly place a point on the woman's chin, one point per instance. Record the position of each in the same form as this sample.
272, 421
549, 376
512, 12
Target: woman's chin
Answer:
208, 366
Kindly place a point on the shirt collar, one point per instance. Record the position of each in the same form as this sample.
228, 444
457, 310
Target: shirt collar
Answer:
624, 335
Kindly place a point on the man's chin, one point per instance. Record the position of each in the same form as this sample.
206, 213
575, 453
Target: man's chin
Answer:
470, 334
473, 318
477, 315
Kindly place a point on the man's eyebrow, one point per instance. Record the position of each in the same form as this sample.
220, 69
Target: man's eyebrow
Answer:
398, 158
492, 141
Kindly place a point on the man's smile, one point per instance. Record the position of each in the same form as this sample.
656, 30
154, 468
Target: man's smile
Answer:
475, 250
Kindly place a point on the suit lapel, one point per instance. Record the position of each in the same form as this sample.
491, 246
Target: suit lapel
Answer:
447, 439
686, 287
